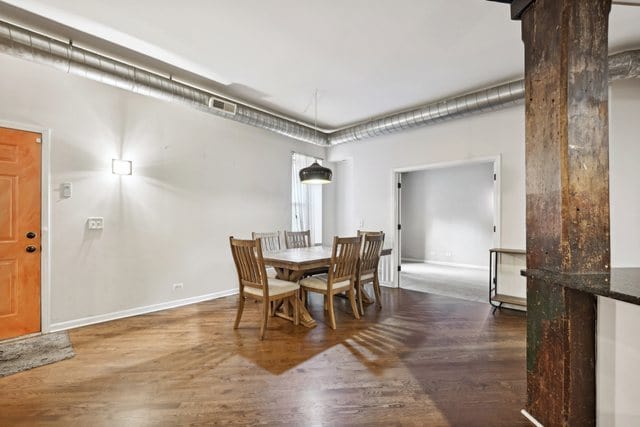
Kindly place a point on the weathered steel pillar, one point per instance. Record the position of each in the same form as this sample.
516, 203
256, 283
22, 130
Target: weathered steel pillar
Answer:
567, 174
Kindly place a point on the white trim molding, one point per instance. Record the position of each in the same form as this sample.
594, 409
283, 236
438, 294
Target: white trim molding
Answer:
100, 318
530, 418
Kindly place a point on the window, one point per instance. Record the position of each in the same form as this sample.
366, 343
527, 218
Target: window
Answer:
306, 200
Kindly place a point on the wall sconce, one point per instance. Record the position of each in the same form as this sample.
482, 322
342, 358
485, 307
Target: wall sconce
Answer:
121, 167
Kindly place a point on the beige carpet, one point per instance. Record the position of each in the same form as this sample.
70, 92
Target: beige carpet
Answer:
456, 282
28, 353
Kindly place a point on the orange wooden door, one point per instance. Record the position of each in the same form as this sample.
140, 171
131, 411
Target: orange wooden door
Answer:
20, 196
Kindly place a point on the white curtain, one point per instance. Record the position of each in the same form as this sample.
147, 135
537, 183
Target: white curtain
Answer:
306, 200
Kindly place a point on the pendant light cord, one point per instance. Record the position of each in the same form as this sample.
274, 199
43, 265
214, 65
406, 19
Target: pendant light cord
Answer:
315, 119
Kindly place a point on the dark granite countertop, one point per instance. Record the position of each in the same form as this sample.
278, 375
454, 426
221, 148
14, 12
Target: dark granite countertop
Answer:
622, 284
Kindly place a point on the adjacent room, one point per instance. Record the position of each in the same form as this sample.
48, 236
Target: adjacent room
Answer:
288, 212
448, 224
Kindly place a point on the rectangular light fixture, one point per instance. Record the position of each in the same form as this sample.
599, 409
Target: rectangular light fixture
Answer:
121, 167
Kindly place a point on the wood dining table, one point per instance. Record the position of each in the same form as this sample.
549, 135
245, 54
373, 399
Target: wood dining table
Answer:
291, 265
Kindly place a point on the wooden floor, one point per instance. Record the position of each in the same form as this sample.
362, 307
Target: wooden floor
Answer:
422, 360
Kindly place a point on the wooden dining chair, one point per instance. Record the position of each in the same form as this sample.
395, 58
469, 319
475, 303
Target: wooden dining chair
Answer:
341, 276
302, 239
254, 283
271, 242
297, 239
367, 271
363, 233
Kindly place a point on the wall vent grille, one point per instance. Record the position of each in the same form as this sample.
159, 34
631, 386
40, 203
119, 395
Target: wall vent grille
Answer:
221, 105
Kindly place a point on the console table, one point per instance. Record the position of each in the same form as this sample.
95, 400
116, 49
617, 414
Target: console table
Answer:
496, 299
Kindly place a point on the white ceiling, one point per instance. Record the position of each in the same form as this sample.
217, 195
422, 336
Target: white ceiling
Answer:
365, 57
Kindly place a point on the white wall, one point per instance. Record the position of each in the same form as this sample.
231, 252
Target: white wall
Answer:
447, 214
372, 164
196, 180
339, 222
618, 341
502, 133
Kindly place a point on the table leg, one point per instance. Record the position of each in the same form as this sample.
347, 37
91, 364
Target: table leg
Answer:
287, 313
276, 307
287, 306
365, 297
305, 316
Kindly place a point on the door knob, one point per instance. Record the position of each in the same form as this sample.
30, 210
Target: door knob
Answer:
31, 249
31, 235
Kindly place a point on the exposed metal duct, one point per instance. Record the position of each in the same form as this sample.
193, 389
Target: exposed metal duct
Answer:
35, 47
32, 46
494, 98
623, 65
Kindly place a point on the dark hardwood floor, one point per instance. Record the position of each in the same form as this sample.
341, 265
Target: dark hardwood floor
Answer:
422, 360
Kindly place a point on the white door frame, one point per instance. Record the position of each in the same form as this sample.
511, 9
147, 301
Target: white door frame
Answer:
45, 225
397, 177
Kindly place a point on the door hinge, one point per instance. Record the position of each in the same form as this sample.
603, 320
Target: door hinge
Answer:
399, 185
494, 228
494, 176
39, 140
399, 268
399, 226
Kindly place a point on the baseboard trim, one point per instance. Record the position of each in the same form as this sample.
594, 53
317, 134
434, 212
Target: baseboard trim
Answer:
448, 264
92, 320
531, 418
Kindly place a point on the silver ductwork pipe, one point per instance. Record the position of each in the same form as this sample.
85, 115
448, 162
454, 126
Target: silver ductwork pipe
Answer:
494, 98
32, 46
35, 47
623, 65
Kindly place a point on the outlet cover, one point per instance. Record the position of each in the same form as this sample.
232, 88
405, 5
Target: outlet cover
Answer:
95, 223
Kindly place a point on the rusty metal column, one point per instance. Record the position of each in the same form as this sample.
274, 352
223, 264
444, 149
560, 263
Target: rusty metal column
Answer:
567, 174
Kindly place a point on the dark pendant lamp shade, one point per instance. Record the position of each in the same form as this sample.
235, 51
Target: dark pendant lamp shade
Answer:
315, 174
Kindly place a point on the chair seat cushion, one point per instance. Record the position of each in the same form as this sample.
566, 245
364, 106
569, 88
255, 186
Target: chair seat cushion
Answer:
366, 277
276, 287
319, 282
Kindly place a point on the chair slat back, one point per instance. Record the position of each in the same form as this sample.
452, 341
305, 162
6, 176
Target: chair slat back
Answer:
297, 239
247, 255
363, 233
270, 241
344, 258
371, 250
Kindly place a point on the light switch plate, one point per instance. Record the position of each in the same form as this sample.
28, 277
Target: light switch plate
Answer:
67, 190
95, 223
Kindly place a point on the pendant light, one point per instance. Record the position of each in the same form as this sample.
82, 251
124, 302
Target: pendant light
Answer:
315, 174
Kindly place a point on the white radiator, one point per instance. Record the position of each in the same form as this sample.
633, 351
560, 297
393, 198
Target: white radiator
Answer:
385, 270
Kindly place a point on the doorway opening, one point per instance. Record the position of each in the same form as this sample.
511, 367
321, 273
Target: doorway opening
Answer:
448, 219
